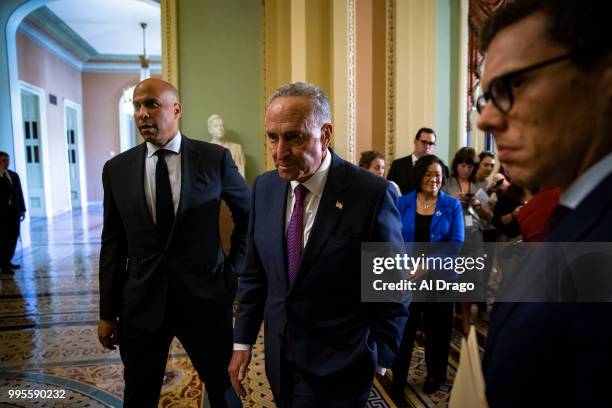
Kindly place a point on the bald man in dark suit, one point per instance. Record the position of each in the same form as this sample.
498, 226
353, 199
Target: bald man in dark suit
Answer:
163, 273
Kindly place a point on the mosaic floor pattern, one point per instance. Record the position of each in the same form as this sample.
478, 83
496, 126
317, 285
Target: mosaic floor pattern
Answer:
48, 339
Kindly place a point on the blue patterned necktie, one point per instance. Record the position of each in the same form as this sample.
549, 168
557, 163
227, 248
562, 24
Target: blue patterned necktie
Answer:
295, 232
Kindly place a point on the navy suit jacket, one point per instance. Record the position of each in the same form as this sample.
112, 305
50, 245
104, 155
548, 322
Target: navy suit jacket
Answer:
330, 330
556, 354
139, 269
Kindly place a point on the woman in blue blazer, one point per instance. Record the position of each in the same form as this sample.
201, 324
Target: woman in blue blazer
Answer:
428, 215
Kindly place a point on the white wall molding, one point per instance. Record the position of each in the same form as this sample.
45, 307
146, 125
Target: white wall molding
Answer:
81, 149
44, 142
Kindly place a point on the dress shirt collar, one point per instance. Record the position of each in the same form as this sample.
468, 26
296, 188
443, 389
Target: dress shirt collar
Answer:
173, 145
414, 159
583, 185
316, 183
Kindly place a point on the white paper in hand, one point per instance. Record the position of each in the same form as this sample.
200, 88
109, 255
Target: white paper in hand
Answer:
482, 196
469, 388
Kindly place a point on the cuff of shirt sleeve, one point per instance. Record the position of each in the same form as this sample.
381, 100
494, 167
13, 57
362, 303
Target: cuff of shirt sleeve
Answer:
242, 347
379, 370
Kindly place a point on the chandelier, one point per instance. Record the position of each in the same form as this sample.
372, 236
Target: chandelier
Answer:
144, 58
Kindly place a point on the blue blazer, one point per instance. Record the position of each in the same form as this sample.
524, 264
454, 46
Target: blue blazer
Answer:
446, 224
332, 332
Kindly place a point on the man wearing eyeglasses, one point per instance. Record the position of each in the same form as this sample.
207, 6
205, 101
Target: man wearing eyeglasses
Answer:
548, 102
424, 143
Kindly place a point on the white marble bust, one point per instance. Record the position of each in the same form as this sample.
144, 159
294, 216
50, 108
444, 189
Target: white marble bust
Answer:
216, 129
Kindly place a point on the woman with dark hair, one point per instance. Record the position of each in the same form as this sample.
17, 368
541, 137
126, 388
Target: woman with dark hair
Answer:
460, 185
374, 162
428, 215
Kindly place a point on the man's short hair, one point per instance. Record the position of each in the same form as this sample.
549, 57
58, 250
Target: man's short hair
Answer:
583, 27
214, 116
424, 130
2, 154
320, 102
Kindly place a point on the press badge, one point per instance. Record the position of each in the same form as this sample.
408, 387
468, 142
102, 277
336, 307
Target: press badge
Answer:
468, 220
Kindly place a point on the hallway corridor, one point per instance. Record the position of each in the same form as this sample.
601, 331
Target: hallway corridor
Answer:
49, 317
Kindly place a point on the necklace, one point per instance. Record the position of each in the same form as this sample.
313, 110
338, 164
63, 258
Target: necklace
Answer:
426, 204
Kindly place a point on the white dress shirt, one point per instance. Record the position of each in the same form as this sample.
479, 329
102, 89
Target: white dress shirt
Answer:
174, 172
315, 186
583, 185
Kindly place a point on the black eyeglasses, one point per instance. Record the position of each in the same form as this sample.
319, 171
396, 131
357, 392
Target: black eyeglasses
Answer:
426, 143
500, 88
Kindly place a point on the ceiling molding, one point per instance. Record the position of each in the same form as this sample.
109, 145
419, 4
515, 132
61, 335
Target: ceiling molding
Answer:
49, 31
44, 41
153, 59
54, 27
116, 67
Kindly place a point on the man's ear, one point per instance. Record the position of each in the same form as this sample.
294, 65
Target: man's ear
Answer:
326, 133
178, 110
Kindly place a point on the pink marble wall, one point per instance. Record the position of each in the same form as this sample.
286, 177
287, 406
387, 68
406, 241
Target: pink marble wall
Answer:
97, 93
101, 94
43, 69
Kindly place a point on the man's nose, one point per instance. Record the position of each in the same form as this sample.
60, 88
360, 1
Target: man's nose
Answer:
282, 148
491, 118
142, 112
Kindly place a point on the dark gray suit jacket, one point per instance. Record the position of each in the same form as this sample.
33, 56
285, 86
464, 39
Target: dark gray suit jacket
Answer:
400, 172
139, 269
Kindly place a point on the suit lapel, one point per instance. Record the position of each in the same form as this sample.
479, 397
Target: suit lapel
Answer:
577, 224
189, 172
441, 207
327, 217
275, 218
137, 166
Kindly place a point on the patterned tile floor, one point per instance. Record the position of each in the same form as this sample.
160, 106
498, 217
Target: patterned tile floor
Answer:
48, 341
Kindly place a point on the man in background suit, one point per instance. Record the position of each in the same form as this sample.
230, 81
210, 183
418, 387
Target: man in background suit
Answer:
424, 143
163, 272
308, 220
548, 103
12, 212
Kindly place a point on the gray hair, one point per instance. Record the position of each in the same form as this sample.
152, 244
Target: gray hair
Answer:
320, 102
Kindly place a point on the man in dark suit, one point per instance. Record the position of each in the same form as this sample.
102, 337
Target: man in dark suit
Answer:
12, 212
424, 143
308, 220
540, 57
162, 269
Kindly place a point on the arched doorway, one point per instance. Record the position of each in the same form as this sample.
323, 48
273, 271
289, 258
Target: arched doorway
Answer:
128, 134
18, 11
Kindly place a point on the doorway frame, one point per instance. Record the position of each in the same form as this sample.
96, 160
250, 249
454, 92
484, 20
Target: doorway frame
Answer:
44, 147
81, 151
123, 142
